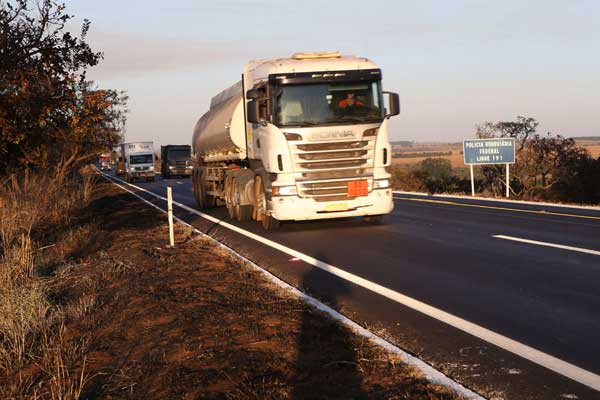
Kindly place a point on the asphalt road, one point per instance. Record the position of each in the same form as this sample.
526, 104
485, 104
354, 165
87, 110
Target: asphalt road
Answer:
445, 252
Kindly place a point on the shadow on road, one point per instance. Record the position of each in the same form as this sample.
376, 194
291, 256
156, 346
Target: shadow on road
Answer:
326, 352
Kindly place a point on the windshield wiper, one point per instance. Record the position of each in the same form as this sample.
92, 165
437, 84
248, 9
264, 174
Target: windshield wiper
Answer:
357, 120
301, 123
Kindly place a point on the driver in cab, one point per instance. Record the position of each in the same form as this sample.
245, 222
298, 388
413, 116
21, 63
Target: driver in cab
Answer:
350, 101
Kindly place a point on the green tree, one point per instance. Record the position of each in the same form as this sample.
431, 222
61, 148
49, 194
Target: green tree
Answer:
546, 166
436, 175
521, 130
51, 117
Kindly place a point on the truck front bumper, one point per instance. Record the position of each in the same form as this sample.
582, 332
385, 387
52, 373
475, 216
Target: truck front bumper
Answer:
294, 208
181, 171
142, 174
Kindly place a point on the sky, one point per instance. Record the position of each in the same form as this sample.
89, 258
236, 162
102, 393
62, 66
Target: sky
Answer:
455, 64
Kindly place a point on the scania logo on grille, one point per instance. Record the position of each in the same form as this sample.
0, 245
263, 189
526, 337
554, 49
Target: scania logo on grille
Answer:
330, 135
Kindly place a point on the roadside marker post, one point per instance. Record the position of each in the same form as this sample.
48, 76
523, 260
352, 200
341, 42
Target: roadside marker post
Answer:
507, 180
170, 214
489, 151
472, 181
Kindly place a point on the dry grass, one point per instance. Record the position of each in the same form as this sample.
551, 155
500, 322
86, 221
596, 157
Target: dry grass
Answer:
594, 150
35, 209
455, 158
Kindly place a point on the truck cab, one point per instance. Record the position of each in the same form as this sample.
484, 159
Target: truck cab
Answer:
137, 161
319, 126
176, 160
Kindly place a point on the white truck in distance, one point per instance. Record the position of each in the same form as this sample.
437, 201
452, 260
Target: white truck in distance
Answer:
137, 161
298, 138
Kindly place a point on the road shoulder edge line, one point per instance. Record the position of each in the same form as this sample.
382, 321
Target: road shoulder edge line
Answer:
430, 373
499, 200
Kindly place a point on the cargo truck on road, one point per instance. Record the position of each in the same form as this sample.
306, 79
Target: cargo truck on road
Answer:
175, 160
298, 138
136, 161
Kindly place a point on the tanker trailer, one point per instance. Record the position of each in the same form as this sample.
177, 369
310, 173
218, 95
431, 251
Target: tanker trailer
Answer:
298, 138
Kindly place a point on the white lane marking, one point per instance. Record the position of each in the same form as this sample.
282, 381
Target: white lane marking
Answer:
179, 183
432, 374
536, 356
515, 210
558, 246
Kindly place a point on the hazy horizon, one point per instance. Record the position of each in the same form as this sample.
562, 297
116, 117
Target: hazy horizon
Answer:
454, 65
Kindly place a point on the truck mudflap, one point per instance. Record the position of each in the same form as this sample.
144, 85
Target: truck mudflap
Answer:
294, 208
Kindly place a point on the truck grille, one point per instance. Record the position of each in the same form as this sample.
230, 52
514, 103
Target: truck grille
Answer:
142, 168
323, 170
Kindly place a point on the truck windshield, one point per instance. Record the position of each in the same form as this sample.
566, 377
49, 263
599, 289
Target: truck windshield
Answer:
328, 104
179, 155
140, 159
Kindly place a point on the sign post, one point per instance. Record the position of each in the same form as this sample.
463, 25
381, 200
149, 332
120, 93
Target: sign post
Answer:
507, 180
170, 214
489, 151
472, 181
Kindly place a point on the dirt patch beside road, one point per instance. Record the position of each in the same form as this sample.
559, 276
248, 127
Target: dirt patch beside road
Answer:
192, 322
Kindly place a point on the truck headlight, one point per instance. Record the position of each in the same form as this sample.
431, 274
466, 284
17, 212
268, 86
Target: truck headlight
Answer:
151, 168
171, 167
284, 190
381, 184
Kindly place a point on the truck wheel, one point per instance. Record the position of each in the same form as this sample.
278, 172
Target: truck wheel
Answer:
229, 197
245, 213
261, 212
211, 201
242, 212
199, 192
373, 219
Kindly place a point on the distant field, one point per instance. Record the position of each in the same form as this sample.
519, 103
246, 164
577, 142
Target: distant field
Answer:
592, 147
411, 154
456, 160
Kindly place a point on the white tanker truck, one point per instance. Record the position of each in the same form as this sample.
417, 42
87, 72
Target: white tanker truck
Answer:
297, 138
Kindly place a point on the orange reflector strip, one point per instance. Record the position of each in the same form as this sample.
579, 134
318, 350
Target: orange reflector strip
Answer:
358, 188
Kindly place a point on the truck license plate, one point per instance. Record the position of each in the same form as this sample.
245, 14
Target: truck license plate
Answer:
358, 188
337, 207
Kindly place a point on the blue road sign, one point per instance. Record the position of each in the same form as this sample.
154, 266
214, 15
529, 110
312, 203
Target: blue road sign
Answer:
489, 151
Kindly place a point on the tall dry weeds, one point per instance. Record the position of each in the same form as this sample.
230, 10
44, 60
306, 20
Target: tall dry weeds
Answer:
89, 178
32, 208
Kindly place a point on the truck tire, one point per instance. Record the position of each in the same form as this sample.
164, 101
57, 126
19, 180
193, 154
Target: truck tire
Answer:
268, 222
198, 189
373, 219
230, 197
245, 213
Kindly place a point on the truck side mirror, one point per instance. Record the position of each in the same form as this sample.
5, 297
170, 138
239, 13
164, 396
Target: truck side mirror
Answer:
253, 112
394, 104
254, 94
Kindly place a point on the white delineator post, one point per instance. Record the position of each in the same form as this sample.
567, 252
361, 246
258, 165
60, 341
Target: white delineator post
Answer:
507, 180
472, 181
170, 213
